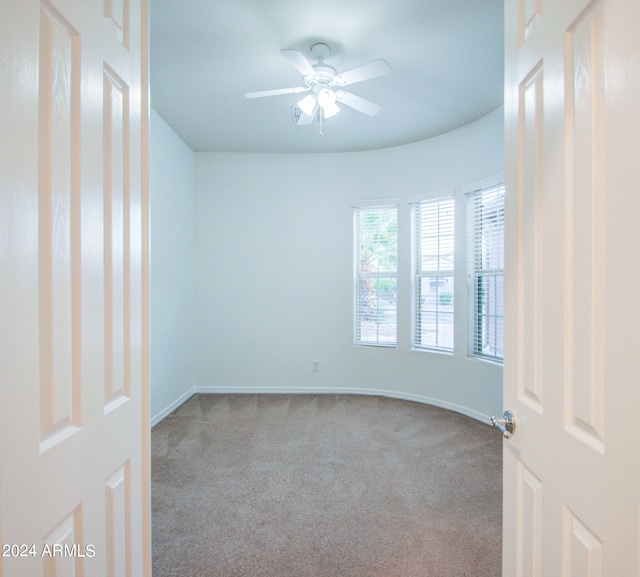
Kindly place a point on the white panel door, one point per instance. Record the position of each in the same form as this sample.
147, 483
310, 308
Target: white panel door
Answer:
572, 110
74, 471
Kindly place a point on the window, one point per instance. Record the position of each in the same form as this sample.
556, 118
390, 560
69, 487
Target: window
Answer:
376, 275
486, 272
433, 271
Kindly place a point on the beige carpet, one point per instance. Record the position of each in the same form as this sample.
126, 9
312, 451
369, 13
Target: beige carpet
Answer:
324, 486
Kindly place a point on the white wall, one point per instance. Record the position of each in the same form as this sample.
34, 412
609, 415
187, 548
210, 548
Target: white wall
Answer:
274, 270
172, 166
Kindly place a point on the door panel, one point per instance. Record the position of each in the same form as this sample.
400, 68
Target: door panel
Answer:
572, 471
74, 473
58, 156
585, 201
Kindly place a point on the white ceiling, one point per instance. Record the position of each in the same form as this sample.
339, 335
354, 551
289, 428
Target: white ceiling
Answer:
446, 58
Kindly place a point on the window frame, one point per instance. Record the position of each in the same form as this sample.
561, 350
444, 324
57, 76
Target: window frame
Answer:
479, 275
443, 200
362, 276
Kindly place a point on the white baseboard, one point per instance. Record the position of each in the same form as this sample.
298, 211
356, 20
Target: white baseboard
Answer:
320, 391
348, 391
172, 407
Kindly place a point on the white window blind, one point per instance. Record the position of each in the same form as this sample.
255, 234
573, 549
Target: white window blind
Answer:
433, 274
485, 218
376, 275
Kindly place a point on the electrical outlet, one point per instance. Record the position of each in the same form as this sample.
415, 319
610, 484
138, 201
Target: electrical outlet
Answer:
316, 365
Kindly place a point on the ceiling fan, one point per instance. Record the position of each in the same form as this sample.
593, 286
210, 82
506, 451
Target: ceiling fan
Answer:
324, 85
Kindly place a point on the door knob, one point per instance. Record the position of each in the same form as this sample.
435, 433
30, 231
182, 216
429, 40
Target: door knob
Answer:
506, 425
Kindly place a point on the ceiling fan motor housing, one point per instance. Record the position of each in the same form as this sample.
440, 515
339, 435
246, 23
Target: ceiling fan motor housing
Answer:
324, 73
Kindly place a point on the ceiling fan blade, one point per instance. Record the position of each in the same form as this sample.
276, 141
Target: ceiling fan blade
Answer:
299, 62
358, 103
364, 72
278, 91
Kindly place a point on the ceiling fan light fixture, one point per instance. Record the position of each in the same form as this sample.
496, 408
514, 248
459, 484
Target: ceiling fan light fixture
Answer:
307, 104
326, 97
327, 101
330, 110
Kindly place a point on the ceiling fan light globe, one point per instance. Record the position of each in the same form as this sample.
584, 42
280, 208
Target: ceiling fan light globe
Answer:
330, 110
326, 98
307, 104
